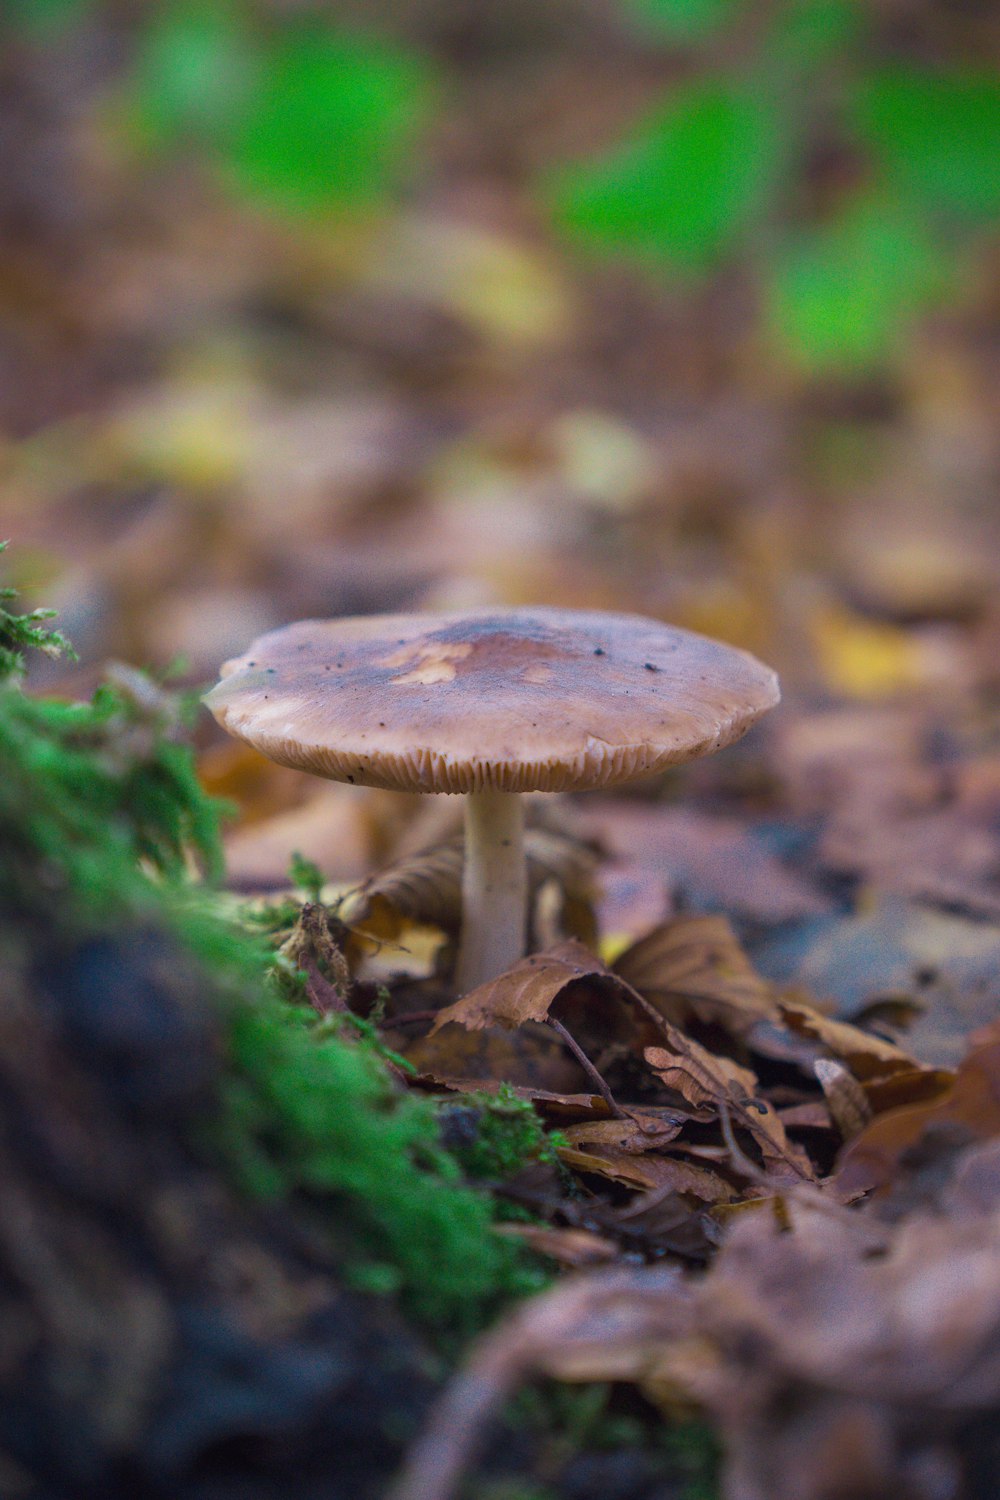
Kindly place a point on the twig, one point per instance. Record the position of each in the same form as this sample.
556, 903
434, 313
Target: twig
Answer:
587, 1066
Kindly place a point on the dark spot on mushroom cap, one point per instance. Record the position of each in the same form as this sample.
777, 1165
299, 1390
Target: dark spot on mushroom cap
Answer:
598, 650
650, 668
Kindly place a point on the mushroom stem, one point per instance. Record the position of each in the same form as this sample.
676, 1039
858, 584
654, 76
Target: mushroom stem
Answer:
494, 888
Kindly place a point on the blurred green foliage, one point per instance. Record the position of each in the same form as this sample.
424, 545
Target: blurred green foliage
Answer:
720, 173
41, 17
303, 117
193, 76
844, 294
682, 19
330, 121
688, 182
936, 136
798, 143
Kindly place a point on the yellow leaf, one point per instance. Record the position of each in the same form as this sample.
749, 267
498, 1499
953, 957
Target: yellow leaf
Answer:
864, 658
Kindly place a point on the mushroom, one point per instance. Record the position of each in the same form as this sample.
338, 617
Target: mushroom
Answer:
490, 703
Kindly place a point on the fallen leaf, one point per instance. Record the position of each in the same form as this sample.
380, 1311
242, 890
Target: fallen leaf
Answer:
636, 1131
654, 1173
972, 1102
699, 1076
867, 1055
704, 1078
528, 991
426, 887
846, 1099
695, 966
532, 1058
813, 1115
570, 1247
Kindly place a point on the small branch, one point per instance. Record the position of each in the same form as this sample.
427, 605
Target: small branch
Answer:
587, 1066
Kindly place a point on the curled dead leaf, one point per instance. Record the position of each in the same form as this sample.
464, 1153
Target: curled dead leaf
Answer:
971, 1102
707, 1080
570, 1247
425, 888
845, 1097
528, 991
866, 1055
652, 1173
635, 1131
695, 966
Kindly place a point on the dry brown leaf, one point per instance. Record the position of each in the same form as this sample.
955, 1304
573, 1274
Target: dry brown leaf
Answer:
866, 1055
845, 1097
699, 1076
916, 1085
426, 887
528, 991
971, 1102
623, 1167
651, 1173
812, 1115
557, 1107
570, 1247
695, 965
635, 1131
532, 1058
704, 1078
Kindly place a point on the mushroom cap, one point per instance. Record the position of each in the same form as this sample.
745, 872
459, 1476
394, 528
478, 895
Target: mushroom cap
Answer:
518, 700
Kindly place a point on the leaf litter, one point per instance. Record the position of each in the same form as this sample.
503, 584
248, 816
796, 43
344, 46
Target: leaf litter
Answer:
766, 1205
766, 1212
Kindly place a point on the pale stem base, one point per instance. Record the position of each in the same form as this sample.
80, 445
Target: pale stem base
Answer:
494, 888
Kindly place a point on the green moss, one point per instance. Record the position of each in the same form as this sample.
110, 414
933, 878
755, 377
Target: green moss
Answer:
492, 1136
305, 876
21, 633
100, 807
313, 1118
103, 824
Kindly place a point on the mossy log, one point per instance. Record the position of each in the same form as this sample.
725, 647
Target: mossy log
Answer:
158, 1333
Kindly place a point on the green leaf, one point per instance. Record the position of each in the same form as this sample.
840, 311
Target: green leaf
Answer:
194, 69
937, 134
331, 122
844, 295
685, 187
684, 20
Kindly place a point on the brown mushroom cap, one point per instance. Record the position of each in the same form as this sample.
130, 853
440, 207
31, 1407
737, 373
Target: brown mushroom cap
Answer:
518, 700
